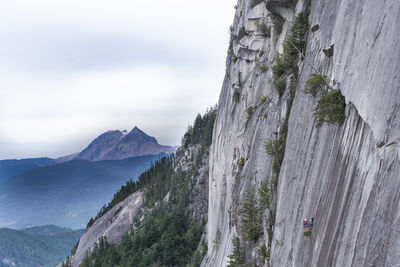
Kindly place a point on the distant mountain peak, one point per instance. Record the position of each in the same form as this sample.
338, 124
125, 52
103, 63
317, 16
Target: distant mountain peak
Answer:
136, 130
139, 135
116, 145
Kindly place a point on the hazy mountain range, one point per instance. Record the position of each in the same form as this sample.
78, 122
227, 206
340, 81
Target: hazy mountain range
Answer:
12, 167
49, 191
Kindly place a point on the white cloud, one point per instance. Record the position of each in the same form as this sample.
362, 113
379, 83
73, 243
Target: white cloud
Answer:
73, 69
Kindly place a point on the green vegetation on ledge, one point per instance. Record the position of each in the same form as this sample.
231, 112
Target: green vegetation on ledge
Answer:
276, 149
308, 234
264, 192
330, 108
315, 83
236, 96
265, 30
280, 85
277, 25
295, 43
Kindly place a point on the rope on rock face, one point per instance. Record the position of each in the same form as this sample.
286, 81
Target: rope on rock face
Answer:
305, 58
298, 50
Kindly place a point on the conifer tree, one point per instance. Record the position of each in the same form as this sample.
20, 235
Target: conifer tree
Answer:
237, 257
264, 192
250, 215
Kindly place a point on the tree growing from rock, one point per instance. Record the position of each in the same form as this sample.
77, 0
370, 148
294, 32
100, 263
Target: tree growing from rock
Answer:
250, 217
237, 257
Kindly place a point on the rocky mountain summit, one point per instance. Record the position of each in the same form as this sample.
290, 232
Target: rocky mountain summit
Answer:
111, 145
117, 145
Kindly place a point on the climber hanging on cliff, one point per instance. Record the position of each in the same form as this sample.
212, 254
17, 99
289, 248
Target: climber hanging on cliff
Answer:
308, 223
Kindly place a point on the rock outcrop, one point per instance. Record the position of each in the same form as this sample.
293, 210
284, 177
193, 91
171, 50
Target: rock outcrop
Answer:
347, 175
112, 225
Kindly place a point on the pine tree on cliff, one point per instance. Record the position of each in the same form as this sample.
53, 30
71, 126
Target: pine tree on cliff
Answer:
251, 219
237, 257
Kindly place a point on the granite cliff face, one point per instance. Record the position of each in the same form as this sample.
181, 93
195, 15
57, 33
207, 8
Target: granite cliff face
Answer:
346, 175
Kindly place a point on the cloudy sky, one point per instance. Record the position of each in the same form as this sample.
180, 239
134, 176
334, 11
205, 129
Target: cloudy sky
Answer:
72, 69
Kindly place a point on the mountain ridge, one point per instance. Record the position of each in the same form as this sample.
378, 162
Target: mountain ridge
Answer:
47, 230
12, 167
110, 145
116, 144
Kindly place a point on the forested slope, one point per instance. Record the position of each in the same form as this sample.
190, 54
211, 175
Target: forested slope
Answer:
168, 228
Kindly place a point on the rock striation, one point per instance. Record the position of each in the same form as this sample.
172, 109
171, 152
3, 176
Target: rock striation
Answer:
347, 175
112, 225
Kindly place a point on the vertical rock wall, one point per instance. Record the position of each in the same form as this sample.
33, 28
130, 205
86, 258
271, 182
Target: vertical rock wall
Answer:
346, 176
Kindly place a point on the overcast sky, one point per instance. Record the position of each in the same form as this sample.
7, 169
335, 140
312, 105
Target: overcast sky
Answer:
72, 69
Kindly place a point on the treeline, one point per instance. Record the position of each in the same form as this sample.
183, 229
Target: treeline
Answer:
163, 165
125, 191
201, 131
